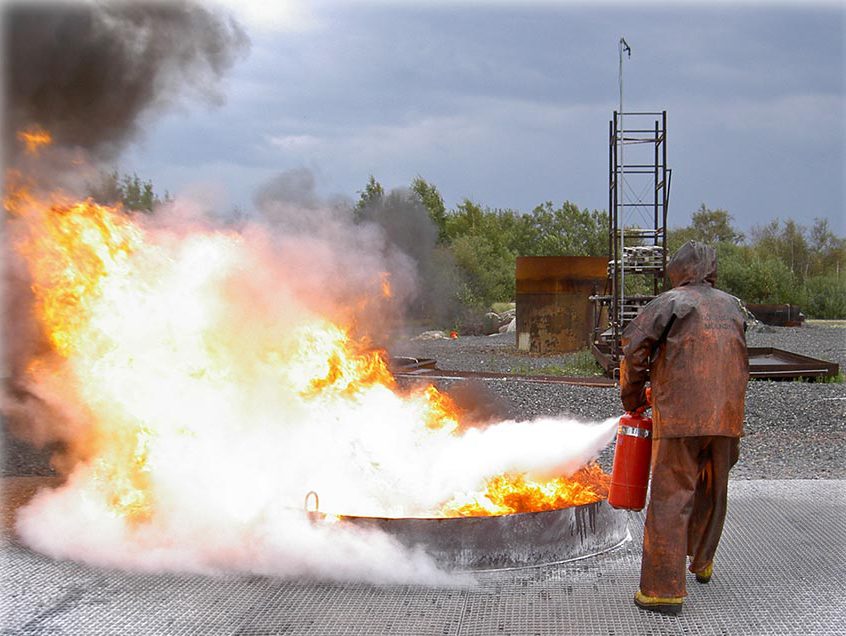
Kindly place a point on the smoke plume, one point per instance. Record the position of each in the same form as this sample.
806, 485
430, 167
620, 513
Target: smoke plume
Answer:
339, 262
407, 224
87, 71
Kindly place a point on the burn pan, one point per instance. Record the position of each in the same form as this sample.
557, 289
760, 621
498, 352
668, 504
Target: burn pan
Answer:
770, 363
508, 541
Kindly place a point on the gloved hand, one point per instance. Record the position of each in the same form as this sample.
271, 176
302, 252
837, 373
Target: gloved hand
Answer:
648, 404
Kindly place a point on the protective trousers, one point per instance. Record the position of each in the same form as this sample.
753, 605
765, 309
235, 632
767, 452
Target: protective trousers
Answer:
687, 508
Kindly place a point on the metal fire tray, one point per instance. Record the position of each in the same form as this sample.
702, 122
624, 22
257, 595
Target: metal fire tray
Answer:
509, 541
771, 363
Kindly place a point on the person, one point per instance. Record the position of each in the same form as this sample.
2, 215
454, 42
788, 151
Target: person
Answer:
690, 344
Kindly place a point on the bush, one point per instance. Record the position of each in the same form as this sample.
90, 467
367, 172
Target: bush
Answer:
488, 270
825, 297
755, 280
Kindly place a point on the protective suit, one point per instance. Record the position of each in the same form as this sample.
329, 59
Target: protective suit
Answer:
690, 344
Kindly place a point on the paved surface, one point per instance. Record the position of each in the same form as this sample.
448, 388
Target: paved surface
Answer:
779, 571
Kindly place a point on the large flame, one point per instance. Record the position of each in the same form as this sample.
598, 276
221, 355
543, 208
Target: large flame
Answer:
170, 356
510, 493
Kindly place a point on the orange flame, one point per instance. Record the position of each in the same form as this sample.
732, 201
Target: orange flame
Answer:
512, 493
158, 362
387, 292
76, 246
34, 138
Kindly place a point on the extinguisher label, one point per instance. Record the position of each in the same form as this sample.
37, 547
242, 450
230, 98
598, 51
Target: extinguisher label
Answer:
634, 431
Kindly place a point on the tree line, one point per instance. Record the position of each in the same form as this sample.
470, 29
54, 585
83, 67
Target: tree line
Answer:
779, 262
466, 255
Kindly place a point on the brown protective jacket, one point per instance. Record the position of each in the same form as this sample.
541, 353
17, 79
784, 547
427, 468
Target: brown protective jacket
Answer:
692, 342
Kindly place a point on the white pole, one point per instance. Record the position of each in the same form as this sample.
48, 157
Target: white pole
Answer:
620, 185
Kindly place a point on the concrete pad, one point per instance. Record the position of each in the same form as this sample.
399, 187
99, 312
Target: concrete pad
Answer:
779, 570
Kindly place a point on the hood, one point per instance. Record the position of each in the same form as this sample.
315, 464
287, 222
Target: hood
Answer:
695, 262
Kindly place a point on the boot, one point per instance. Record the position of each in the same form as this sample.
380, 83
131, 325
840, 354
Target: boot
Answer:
704, 575
671, 605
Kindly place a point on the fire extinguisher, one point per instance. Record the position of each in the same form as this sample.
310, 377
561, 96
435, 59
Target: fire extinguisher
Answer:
632, 459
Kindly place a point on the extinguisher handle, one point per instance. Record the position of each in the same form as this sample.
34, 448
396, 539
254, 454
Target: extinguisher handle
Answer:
646, 405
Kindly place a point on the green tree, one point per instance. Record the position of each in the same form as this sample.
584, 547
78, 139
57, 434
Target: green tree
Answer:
133, 193
480, 240
372, 194
788, 243
467, 218
796, 252
828, 252
521, 236
487, 241
488, 270
714, 226
431, 198
825, 296
752, 278
676, 237
567, 231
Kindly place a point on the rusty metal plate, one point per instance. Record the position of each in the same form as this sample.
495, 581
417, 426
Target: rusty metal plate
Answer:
771, 363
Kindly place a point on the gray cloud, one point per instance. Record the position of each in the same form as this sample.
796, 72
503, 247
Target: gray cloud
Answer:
510, 105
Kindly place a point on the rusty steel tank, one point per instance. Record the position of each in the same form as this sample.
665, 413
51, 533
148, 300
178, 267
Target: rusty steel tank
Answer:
554, 313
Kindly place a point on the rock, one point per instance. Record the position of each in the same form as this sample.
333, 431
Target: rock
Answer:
490, 323
509, 327
431, 335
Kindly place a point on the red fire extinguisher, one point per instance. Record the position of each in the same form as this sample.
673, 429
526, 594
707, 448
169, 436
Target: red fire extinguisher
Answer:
632, 459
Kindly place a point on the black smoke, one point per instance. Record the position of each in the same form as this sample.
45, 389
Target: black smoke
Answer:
87, 71
392, 231
408, 225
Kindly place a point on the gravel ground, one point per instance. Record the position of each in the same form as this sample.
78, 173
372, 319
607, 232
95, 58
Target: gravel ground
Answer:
794, 430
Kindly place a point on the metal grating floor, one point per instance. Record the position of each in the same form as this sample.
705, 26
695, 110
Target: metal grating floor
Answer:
779, 571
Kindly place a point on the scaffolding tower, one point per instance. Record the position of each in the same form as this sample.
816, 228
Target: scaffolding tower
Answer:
638, 197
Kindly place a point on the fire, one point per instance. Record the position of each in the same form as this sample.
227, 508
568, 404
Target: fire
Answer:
513, 493
35, 138
77, 244
177, 351
385, 278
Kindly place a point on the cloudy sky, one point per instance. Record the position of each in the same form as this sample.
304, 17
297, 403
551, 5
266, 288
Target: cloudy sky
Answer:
508, 103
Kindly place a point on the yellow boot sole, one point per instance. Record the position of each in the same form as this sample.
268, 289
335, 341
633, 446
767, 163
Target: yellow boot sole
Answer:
705, 575
671, 605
